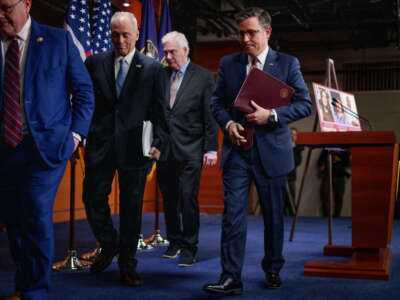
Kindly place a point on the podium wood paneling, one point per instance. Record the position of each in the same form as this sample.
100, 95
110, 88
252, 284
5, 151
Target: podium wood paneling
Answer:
374, 156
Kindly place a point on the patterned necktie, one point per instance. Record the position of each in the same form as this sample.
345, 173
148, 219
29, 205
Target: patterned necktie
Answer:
254, 63
174, 89
119, 83
12, 115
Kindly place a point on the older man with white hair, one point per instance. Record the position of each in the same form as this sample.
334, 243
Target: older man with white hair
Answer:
193, 143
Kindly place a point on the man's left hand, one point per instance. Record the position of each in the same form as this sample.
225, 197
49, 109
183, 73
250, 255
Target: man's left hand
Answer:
260, 116
209, 159
154, 153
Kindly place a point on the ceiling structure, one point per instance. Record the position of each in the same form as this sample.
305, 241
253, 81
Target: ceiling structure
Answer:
297, 24
302, 24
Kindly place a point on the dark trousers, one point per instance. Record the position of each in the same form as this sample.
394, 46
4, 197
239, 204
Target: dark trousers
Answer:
27, 192
96, 188
238, 172
179, 183
338, 184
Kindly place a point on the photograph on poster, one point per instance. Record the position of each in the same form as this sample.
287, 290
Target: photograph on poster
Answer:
337, 110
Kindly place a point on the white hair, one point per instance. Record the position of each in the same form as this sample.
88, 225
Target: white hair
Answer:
125, 14
176, 37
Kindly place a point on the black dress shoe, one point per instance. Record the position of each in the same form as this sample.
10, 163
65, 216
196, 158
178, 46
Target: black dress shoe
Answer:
104, 259
227, 286
187, 258
273, 281
127, 268
129, 277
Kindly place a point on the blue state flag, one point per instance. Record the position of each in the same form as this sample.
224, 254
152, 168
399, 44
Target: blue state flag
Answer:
148, 43
165, 27
100, 22
77, 23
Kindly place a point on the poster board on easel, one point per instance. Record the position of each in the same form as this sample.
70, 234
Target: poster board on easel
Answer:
337, 110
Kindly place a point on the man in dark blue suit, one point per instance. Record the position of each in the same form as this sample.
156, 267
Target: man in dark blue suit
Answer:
267, 161
41, 126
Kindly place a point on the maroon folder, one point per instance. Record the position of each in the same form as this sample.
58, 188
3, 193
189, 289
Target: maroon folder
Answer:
264, 89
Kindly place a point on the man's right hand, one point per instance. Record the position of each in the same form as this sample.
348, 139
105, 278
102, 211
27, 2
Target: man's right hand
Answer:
235, 130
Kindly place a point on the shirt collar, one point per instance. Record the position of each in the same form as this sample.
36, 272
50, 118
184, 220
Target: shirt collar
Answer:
262, 57
127, 57
24, 33
183, 69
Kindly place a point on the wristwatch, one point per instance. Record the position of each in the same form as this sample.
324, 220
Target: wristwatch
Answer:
273, 118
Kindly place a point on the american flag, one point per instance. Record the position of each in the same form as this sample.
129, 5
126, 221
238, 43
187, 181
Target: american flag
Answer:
77, 23
100, 20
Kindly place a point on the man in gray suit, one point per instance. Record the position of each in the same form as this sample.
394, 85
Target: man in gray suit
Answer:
193, 143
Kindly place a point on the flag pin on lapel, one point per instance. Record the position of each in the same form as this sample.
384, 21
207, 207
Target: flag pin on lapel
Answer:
39, 39
271, 64
138, 66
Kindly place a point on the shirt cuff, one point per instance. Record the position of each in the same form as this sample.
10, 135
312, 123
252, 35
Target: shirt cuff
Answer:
212, 152
77, 136
227, 124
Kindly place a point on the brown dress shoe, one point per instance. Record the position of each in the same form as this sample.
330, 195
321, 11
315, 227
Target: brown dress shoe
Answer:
104, 259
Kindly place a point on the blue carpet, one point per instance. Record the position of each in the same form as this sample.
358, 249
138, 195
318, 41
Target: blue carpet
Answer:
165, 280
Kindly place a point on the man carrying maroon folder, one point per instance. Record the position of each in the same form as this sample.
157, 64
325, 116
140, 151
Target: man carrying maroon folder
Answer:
267, 160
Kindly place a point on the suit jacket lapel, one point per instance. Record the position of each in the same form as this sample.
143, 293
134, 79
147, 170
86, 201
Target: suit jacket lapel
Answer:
1, 75
240, 74
36, 42
109, 72
134, 69
168, 86
241, 66
185, 82
270, 65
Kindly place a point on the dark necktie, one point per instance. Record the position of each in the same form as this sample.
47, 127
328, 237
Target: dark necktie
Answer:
249, 127
12, 115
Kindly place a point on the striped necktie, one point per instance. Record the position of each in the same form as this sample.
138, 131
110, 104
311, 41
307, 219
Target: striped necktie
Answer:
12, 115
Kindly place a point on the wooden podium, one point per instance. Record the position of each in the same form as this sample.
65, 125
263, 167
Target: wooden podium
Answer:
374, 157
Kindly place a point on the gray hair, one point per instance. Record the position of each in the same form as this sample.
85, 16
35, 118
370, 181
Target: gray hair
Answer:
125, 14
262, 15
177, 37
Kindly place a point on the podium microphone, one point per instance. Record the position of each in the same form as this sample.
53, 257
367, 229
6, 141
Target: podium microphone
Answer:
335, 102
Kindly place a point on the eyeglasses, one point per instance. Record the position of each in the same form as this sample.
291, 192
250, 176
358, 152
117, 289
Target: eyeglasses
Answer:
7, 9
249, 33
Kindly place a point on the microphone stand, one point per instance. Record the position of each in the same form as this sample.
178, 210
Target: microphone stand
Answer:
347, 110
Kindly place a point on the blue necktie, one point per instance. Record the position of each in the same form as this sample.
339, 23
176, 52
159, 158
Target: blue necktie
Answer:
121, 75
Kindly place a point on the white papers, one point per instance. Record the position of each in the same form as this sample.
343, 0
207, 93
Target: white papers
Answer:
147, 137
